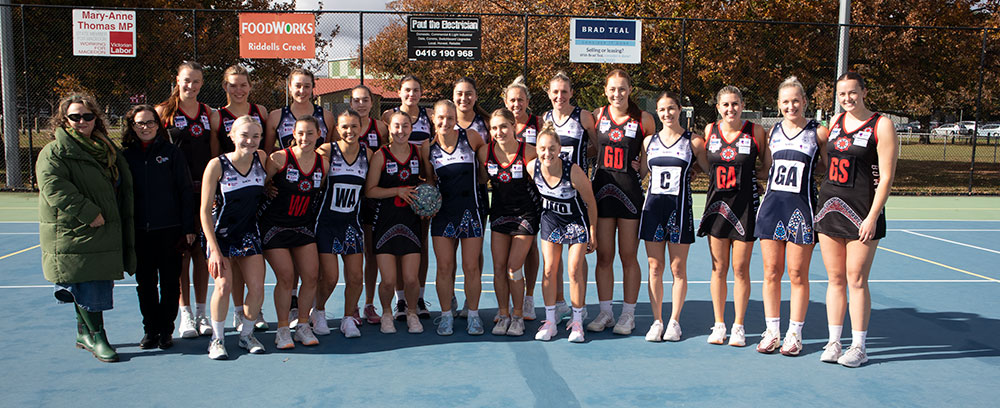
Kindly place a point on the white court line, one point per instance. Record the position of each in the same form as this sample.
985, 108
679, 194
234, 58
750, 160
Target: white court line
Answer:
952, 242
18, 233
132, 285
943, 229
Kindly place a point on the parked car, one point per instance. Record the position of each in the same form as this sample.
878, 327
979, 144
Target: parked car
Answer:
911, 127
989, 130
949, 129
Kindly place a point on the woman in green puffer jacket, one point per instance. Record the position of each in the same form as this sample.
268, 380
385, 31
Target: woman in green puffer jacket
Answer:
85, 206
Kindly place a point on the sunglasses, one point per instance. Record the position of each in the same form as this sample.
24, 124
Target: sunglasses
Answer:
76, 117
147, 124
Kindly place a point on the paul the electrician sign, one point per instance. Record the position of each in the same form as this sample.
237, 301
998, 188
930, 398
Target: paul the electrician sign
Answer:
277, 35
103, 33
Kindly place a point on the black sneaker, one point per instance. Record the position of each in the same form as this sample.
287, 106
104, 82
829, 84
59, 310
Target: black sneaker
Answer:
422, 311
400, 310
150, 340
295, 302
166, 341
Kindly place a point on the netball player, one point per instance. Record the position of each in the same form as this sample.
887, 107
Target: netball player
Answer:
621, 128
338, 225
236, 84
374, 134
785, 220
450, 158
514, 217
189, 127
281, 122
422, 129
862, 154
667, 222
731, 208
392, 181
287, 223
232, 187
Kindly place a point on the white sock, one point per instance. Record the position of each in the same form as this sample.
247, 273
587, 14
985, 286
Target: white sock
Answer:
858, 338
561, 303
835, 333
578, 314
320, 313
606, 306
628, 308
247, 326
550, 313
421, 292
400, 295
796, 327
773, 324
219, 329
199, 309
473, 313
736, 326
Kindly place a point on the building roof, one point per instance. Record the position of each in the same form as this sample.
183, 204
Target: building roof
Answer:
330, 85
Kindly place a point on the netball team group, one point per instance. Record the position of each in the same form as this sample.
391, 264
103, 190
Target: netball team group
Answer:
299, 187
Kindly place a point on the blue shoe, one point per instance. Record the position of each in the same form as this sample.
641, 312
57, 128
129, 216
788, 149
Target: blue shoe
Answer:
475, 326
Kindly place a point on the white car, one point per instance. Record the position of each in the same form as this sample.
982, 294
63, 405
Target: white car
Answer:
989, 130
948, 129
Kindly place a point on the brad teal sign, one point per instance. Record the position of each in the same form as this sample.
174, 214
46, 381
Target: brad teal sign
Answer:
605, 41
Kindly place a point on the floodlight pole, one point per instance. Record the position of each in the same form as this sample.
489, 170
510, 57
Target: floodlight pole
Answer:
842, 43
12, 137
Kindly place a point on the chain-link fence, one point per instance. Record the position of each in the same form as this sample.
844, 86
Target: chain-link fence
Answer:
936, 83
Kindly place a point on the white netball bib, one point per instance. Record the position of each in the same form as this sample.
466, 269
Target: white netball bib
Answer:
345, 197
665, 180
786, 175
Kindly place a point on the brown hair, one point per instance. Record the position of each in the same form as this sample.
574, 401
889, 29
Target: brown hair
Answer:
670, 95
475, 107
409, 78
234, 70
633, 108
59, 119
729, 90
855, 76
129, 136
403, 114
303, 72
504, 113
170, 105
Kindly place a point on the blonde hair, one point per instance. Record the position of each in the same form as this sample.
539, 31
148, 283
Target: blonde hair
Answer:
729, 90
445, 102
234, 70
505, 114
793, 82
517, 84
561, 76
245, 120
548, 129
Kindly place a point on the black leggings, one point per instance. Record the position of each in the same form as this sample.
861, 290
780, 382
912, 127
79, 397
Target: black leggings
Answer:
158, 261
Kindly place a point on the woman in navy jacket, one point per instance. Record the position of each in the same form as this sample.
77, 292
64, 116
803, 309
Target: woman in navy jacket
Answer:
164, 221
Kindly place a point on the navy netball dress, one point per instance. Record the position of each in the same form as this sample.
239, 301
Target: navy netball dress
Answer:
786, 210
572, 137
564, 215
732, 201
289, 219
479, 125
849, 191
422, 127
235, 211
225, 142
666, 213
460, 215
192, 136
529, 131
516, 206
396, 225
286, 126
338, 225
371, 141
617, 187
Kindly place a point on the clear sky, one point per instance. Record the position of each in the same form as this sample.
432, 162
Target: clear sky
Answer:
341, 4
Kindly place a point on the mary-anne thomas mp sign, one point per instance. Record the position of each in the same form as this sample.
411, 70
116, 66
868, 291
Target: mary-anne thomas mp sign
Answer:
277, 35
103, 33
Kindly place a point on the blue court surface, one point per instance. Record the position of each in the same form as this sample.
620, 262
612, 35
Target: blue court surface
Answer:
934, 340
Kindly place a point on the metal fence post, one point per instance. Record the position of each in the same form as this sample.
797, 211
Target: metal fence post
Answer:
683, 57
361, 46
194, 33
27, 104
979, 108
524, 72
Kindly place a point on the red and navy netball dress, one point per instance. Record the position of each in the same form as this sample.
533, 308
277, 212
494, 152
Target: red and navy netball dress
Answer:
396, 225
338, 225
572, 137
289, 219
237, 197
529, 131
286, 126
731, 206
786, 211
460, 215
849, 191
225, 143
371, 141
666, 213
422, 127
516, 206
617, 187
564, 216
192, 135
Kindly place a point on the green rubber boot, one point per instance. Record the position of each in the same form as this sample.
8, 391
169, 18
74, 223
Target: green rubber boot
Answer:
83, 338
95, 325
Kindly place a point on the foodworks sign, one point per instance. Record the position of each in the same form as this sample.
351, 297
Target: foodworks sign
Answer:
277, 35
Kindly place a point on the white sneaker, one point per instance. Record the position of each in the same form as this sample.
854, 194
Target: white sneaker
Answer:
238, 319
792, 345
283, 338
251, 344
854, 357
655, 332
738, 337
563, 311
293, 317
217, 350
673, 331
388, 325
501, 326
718, 335
260, 324
626, 322
576, 332
516, 328
769, 341
601, 322
413, 324
187, 327
831, 352
304, 335
349, 326
529, 309
547, 331
319, 324
203, 325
